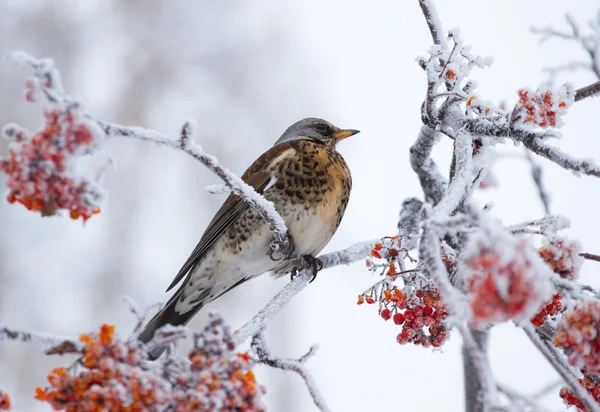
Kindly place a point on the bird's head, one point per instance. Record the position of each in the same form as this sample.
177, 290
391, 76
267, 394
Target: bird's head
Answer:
316, 129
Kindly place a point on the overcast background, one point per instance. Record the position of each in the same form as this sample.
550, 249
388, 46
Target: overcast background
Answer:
245, 71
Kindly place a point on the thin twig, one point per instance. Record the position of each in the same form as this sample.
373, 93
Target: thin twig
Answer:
261, 319
536, 173
260, 348
590, 256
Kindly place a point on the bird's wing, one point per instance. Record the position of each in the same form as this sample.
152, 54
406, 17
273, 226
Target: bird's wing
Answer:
256, 176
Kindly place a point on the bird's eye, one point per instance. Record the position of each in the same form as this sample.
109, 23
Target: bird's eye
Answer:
322, 128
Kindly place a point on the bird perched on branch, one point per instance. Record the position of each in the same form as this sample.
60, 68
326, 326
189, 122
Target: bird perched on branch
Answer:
309, 183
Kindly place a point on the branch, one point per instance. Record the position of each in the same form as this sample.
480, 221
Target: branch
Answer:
59, 345
432, 181
433, 22
51, 85
588, 43
590, 256
343, 257
536, 173
260, 348
588, 91
264, 207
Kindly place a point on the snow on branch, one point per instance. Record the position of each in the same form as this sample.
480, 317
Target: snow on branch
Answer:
344, 257
588, 42
260, 348
68, 114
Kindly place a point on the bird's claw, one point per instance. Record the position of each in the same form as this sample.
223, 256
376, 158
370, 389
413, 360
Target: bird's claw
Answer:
308, 261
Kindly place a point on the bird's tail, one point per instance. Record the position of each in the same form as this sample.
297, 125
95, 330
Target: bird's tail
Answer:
166, 316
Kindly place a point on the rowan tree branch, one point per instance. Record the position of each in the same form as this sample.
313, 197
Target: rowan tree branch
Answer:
264, 355
343, 257
51, 84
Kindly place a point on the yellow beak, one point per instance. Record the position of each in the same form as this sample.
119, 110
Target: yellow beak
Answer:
343, 134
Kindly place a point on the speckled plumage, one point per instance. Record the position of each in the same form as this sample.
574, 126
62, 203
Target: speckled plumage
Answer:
309, 183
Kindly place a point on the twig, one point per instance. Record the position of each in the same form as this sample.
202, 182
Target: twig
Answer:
260, 348
51, 85
59, 345
536, 173
588, 91
261, 319
590, 256
515, 396
264, 207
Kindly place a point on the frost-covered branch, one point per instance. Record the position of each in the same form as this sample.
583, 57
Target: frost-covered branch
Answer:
47, 80
57, 344
343, 257
264, 355
588, 42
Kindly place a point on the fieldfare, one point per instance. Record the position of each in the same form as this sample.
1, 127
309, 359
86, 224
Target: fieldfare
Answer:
309, 183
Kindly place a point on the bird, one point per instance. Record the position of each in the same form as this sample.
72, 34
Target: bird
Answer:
309, 183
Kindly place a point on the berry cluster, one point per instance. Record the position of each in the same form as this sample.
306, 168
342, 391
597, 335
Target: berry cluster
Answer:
551, 309
545, 106
590, 386
4, 401
577, 335
116, 376
502, 284
39, 168
417, 307
562, 255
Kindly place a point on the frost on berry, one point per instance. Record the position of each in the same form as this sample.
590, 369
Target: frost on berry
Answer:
40, 167
578, 335
590, 386
116, 375
410, 300
545, 106
551, 309
505, 279
562, 255
4, 400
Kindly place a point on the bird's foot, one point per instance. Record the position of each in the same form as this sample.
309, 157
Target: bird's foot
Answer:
308, 261
287, 251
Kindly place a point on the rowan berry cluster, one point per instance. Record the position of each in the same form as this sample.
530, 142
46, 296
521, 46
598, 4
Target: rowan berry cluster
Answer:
40, 166
417, 307
116, 376
4, 400
562, 255
577, 335
545, 106
503, 284
590, 386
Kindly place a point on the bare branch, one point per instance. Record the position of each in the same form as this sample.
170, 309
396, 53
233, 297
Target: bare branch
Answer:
260, 348
590, 256
588, 91
536, 173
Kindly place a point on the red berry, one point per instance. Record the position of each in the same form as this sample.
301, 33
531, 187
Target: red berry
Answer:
398, 319
386, 314
393, 252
